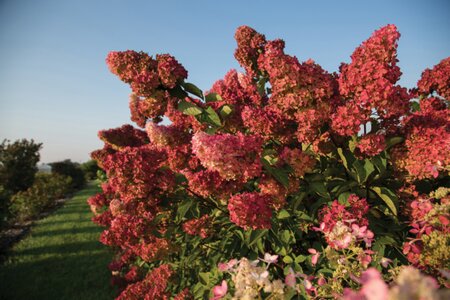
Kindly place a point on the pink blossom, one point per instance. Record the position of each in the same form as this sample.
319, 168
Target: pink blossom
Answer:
315, 255
268, 258
234, 157
220, 290
228, 265
290, 279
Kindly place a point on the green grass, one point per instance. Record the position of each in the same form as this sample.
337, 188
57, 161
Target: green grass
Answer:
61, 258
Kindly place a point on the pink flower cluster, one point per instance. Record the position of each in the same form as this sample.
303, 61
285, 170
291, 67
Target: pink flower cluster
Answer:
234, 157
343, 225
410, 284
250, 210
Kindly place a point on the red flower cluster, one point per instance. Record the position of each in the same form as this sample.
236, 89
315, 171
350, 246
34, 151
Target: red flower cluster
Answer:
249, 45
198, 227
250, 210
153, 287
300, 92
125, 136
368, 84
163, 136
234, 157
436, 79
135, 172
426, 150
170, 72
343, 225
237, 89
371, 144
276, 108
143, 73
299, 161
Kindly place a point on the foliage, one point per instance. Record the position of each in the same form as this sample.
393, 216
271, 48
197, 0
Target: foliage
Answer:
18, 164
45, 190
332, 173
70, 169
90, 169
17, 168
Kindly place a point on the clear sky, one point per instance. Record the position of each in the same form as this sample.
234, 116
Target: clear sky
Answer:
55, 86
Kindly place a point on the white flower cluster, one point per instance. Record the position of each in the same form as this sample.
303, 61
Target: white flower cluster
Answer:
250, 279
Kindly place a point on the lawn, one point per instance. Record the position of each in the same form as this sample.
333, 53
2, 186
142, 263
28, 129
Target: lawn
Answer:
61, 258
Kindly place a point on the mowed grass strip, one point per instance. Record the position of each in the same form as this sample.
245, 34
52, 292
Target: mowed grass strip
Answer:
61, 257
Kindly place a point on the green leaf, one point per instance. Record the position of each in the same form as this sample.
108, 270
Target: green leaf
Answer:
184, 207
213, 97
283, 214
363, 169
189, 108
343, 198
213, 117
286, 236
301, 258
352, 145
380, 163
281, 175
204, 278
415, 106
346, 157
255, 235
394, 141
287, 259
193, 89
225, 111
388, 197
320, 189
178, 92
198, 291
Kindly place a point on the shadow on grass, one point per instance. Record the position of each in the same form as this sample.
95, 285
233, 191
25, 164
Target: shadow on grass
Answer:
79, 277
62, 232
64, 249
61, 258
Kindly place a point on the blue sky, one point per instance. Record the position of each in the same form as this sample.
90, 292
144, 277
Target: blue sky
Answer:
56, 88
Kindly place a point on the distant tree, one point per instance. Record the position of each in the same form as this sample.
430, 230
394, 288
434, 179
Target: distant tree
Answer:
90, 169
71, 169
18, 164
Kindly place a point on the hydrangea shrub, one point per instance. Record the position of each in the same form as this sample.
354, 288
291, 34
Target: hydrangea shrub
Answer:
282, 181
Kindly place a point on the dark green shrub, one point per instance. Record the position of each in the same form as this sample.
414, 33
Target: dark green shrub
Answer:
90, 169
17, 170
18, 164
70, 169
46, 189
